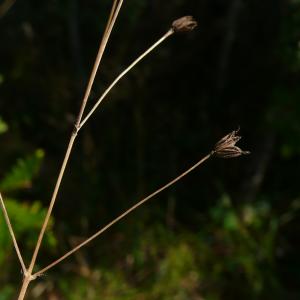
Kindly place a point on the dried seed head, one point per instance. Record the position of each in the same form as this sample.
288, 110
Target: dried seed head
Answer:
226, 147
184, 24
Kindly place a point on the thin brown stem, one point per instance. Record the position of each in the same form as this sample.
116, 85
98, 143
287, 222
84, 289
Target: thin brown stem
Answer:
133, 64
12, 234
111, 21
112, 13
110, 24
120, 217
52, 202
24, 288
74, 134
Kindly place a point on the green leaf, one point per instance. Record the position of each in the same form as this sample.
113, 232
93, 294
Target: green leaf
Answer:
22, 173
27, 219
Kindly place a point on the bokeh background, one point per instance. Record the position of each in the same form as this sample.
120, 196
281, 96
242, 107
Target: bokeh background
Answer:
230, 230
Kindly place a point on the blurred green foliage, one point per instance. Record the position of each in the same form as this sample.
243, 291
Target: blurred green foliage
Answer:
22, 173
26, 217
231, 255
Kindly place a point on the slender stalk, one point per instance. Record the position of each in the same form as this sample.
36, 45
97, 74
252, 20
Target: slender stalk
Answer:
24, 288
52, 202
12, 234
186, 25
120, 217
112, 13
74, 133
79, 124
110, 24
163, 38
111, 21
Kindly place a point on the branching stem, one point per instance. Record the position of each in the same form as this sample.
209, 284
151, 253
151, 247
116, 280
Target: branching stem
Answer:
120, 217
111, 21
186, 25
132, 65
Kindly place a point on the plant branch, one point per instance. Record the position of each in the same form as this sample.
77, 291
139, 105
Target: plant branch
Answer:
112, 13
224, 148
120, 217
52, 202
111, 21
110, 24
163, 38
11, 231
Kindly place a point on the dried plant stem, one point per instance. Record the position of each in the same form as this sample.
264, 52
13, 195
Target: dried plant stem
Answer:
79, 123
163, 38
27, 276
74, 134
52, 202
120, 217
24, 288
111, 21
112, 14
187, 24
12, 234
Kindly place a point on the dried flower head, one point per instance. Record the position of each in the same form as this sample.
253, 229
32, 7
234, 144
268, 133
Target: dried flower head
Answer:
226, 147
184, 24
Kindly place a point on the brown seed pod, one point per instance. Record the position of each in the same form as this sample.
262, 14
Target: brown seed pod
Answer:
226, 147
184, 24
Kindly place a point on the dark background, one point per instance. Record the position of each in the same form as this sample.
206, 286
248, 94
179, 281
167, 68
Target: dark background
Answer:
227, 231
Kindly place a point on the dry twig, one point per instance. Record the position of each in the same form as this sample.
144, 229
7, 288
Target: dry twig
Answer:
12, 234
227, 143
111, 21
